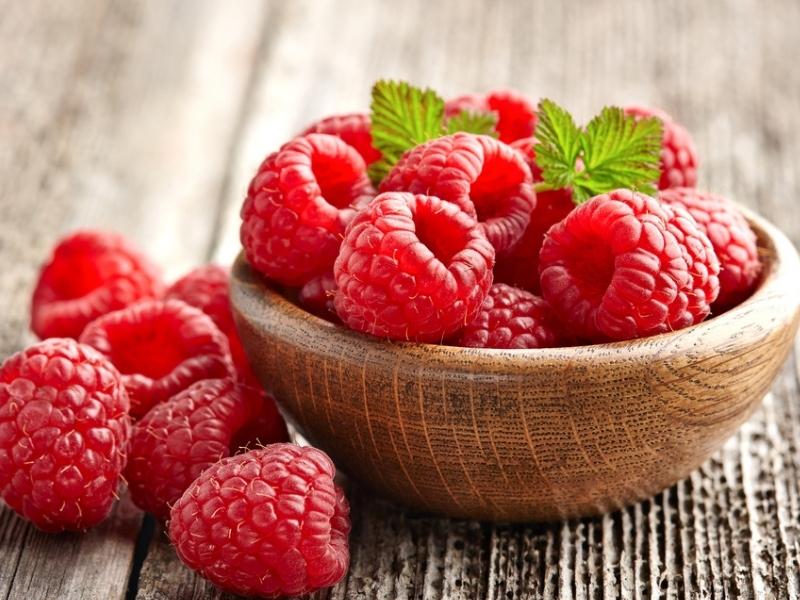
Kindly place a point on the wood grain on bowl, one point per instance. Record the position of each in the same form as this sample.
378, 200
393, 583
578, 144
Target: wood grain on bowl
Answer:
523, 434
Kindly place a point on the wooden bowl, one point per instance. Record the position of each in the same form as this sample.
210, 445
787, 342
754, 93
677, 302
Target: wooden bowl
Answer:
523, 435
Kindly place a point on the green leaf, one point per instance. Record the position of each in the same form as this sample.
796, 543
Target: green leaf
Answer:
403, 116
614, 151
477, 122
559, 142
620, 151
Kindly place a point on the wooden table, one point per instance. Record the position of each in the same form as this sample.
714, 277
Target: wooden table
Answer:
149, 117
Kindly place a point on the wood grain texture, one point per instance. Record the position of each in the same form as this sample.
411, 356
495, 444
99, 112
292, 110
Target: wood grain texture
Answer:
518, 435
724, 68
112, 115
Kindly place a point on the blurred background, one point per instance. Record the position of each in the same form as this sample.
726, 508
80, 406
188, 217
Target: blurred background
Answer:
150, 117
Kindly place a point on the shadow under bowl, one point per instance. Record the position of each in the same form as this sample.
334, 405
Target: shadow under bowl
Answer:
523, 435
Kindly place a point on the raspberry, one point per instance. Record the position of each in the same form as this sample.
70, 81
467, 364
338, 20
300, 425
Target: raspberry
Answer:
733, 241
207, 288
188, 433
624, 265
270, 522
89, 274
520, 266
516, 117
298, 205
353, 128
527, 150
678, 156
64, 429
316, 296
512, 318
412, 268
484, 177
160, 348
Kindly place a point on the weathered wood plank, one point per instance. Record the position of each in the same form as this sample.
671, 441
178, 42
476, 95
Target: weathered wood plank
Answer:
94, 565
120, 116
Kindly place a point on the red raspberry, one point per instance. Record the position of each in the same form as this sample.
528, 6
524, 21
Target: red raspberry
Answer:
466, 102
180, 438
412, 268
512, 318
484, 177
678, 156
267, 523
353, 128
161, 348
527, 150
207, 288
64, 429
516, 116
298, 205
89, 274
520, 266
624, 265
316, 296
733, 240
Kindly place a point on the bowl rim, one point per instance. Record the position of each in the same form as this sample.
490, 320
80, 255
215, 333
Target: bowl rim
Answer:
783, 262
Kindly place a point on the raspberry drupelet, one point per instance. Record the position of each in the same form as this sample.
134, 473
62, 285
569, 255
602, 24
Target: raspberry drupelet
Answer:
624, 266
353, 128
512, 318
485, 178
89, 274
316, 296
298, 205
64, 429
191, 431
412, 268
733, 241
161, 348
266, 523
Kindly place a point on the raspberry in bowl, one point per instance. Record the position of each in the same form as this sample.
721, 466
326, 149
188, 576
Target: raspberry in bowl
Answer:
527, 330
523, 434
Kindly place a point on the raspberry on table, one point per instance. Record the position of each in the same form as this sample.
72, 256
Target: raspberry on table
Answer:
512, 318
516, 115
520, 266
161, 348
732, 239
678, 154
624, 266
269, 522
64, 429
89, 274
207, 288
412, 268
485, 178
353, 128
316, 296
180, 438
298, 205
